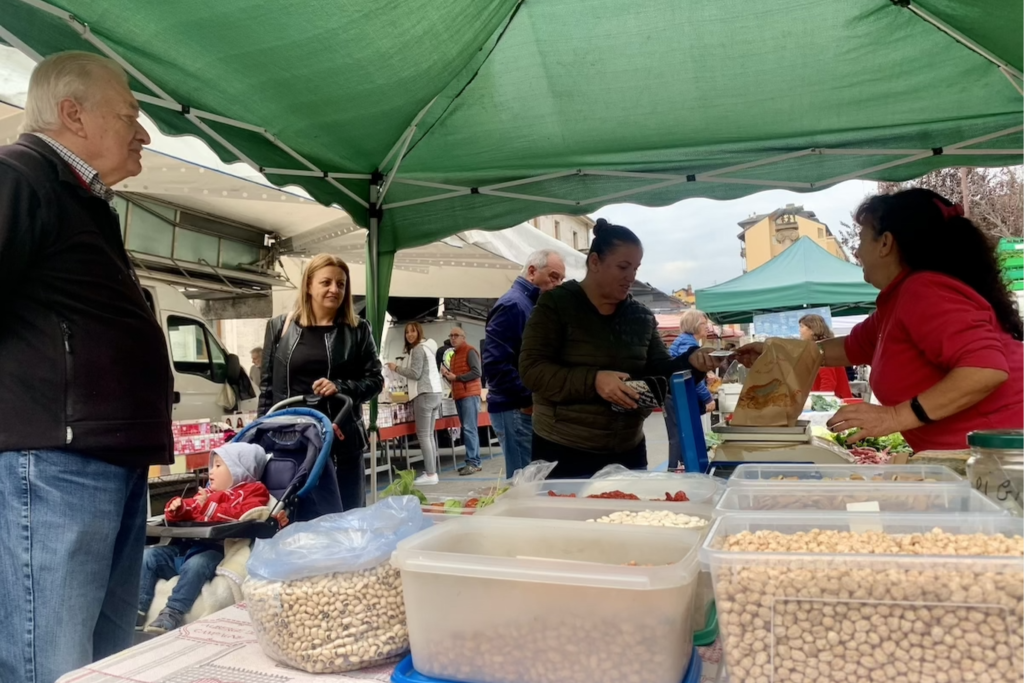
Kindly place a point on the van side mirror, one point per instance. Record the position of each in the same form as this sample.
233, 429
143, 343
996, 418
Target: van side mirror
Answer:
234, 368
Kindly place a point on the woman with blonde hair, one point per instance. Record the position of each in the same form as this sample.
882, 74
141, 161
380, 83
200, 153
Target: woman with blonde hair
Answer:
424, 393
814, 328
323, 348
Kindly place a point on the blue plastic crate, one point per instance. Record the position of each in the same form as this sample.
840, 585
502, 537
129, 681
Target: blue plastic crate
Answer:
405, 673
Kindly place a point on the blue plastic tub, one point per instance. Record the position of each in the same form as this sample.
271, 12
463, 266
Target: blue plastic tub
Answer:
405, 673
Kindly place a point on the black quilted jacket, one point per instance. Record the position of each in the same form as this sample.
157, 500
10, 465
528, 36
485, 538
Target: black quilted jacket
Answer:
566, 342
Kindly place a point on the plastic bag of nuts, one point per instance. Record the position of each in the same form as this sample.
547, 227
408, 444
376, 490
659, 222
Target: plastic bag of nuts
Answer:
323, 596
907, 606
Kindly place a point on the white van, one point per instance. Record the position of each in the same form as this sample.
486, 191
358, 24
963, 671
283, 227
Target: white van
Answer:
201, 365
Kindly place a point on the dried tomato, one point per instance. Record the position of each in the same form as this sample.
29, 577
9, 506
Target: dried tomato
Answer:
615, 495
552, 494
471, 503
677, 497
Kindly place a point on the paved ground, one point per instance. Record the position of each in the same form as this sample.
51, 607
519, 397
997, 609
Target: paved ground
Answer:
494, 467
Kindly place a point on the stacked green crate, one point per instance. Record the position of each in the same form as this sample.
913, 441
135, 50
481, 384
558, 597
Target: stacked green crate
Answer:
1011, 259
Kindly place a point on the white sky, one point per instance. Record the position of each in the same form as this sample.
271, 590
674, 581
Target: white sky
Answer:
692, 242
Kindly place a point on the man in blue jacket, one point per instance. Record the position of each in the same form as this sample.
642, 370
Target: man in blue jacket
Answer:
509, 403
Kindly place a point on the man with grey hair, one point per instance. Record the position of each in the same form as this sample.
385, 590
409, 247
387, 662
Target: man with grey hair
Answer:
85, 379
509, 403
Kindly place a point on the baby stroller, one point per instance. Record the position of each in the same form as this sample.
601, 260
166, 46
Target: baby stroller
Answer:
300, 477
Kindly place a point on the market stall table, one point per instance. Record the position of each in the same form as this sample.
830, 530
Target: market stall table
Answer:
404, 430
222, 647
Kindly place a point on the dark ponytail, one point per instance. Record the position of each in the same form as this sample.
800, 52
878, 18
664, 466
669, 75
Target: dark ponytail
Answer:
607, 237
932, 234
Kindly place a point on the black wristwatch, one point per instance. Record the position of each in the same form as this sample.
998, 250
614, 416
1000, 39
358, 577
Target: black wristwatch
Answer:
918, 409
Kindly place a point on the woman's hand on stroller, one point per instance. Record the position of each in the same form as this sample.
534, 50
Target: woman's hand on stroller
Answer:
324, 387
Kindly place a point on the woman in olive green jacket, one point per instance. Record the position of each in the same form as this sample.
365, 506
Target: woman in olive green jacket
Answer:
582, 342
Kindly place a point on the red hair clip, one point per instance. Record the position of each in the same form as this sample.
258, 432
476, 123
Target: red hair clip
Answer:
954, 211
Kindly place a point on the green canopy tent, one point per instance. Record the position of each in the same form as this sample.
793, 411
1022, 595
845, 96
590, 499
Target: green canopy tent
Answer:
423, 118
802, 276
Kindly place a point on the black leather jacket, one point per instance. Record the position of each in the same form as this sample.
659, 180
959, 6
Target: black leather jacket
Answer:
353, 364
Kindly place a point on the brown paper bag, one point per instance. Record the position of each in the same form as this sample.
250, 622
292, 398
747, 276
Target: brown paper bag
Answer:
778, 384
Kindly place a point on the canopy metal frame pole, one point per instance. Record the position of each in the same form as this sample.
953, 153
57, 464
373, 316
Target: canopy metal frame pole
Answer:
957, 36
374, 215
1016, 81
715, 176
163, 99
199, 118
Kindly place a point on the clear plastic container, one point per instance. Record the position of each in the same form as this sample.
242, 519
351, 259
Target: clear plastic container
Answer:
581, 510
699, 488
774, 473
937, 498
434, 511
502, 600
996, 467
868, 617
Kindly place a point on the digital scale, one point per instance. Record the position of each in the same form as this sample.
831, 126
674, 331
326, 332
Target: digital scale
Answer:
741, 445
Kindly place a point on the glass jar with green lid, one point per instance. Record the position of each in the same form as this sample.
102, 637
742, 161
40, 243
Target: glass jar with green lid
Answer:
996, 467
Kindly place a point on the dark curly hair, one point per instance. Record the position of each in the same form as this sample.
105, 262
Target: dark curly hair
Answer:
930, 240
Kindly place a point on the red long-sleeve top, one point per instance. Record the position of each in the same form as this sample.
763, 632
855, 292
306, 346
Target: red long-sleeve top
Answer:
834, 380
220, 506
926, 324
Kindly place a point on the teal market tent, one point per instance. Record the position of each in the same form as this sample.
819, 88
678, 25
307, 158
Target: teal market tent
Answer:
424, 118
802, 276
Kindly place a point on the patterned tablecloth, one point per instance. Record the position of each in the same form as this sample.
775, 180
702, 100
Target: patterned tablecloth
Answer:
222, 648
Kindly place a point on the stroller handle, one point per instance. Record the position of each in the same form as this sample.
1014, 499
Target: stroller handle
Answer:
312, 400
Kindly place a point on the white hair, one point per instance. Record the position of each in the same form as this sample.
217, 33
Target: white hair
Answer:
64, 76
690, 320
539, 259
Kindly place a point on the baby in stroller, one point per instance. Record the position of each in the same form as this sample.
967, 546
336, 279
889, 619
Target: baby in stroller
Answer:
234, 489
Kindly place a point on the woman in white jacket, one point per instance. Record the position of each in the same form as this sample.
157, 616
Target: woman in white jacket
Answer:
425, 394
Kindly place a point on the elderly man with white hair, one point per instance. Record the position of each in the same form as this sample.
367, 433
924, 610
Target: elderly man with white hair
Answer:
509, 403
693, 330
85, 379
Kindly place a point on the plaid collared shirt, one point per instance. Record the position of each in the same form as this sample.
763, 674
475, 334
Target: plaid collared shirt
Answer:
89, 175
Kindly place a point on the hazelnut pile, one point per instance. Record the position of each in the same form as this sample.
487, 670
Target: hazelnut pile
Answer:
829, 620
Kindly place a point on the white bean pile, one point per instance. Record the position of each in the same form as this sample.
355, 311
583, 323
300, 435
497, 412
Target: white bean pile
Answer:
331, 623
827, 620
653, 518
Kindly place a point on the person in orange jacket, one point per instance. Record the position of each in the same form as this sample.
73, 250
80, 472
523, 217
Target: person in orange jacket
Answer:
234, 489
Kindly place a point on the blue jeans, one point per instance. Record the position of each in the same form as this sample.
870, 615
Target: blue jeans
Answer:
515, 434
72, 530
193, 570
469, 411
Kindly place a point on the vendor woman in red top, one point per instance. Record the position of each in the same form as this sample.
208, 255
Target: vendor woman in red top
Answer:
944, 344
833, 380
